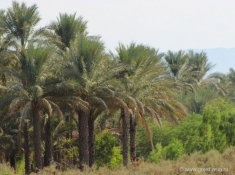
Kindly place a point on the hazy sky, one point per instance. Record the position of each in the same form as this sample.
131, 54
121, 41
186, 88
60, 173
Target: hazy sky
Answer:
163, 24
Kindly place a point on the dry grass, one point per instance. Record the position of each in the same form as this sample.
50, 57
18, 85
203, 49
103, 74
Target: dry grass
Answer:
6, 170
196, 164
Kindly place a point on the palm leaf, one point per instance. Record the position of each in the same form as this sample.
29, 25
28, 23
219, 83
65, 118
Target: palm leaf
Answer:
17, 104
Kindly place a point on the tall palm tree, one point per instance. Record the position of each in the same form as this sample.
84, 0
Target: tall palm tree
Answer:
143, 82
26, 147
87, 66
141, 62
28, 92
62, 33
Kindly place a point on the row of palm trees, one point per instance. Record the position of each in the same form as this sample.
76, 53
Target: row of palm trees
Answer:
61, 71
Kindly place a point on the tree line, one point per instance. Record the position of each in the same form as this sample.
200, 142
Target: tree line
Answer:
59, 87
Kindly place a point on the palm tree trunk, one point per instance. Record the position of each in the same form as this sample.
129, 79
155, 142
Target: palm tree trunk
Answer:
48, 146
37, 137
67, 122
2, 156
83, 137
124, 137
26, 149
91, 142
133, 139
13, 159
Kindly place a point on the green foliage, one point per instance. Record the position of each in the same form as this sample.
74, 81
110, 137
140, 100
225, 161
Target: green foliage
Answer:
104, 147
143, 144
116, 159
214, 129
171, 151
174, 149
217, 129
88, 79
20, 165
187, 131
196, 101
157, 154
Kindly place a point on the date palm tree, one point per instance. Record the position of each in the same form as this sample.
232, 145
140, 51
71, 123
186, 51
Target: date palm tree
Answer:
180, 71
18, 22
200, 65
143, 82
200, 72
90, 71
141, 62
64, 31
29, 94
176, 62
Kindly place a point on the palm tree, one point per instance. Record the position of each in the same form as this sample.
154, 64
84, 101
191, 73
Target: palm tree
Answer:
200, 65
26, 148
227, 82
196, 101
87, 66
18, 22
144, 85
7, 59
200, 69
142, 64
29, 95
176, 62
65, 30
180, 70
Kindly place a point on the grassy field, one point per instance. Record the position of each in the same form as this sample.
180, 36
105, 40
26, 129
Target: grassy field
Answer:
210, 163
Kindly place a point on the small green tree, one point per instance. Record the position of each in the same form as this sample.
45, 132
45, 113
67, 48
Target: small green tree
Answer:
174, 149
171, 151
157, 154
116, 159
217, 128
104, 148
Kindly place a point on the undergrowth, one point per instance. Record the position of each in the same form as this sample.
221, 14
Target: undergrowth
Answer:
210, 163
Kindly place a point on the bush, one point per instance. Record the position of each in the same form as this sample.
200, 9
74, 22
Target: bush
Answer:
171, 151
116, 159
105, 150
218, 129
157, 154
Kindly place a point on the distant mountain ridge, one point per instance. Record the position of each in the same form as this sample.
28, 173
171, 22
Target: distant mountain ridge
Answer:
223, 58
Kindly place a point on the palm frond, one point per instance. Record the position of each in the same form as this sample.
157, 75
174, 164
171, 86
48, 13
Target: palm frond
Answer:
154, 115
17, 104
25, 113
57, 110
44, 104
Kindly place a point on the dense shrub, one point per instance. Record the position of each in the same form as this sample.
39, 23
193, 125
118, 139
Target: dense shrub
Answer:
106, 151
